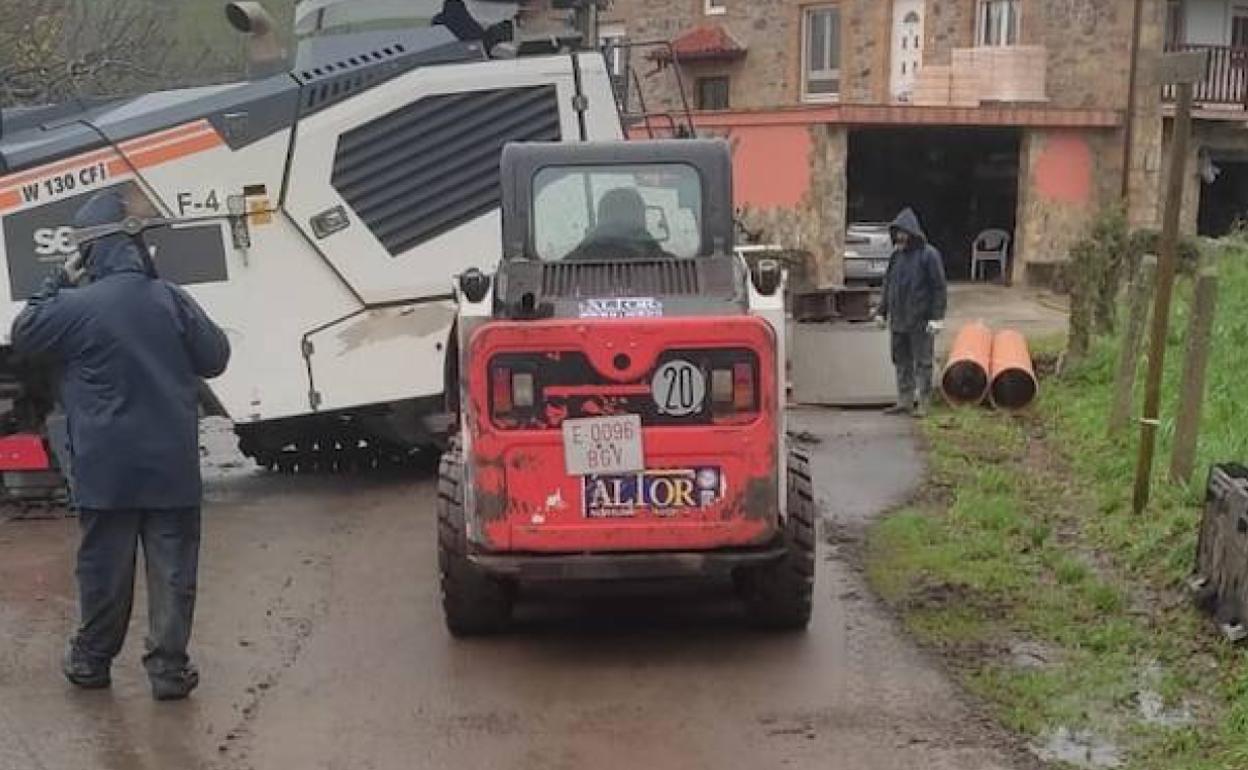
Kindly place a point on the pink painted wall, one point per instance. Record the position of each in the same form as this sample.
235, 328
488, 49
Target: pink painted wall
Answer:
770, 162
1062, 169
1058, 195
771, 165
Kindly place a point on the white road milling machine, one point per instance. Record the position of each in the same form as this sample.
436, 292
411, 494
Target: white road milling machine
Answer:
318, 213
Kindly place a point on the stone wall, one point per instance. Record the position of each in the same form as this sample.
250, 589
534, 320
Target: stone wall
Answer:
1066, 176
866, 48
1188, 215
770, 74
949, 24
1088, 43
1146, 158
817, 224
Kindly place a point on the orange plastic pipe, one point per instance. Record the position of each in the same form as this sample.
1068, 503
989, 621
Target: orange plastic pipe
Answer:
965, 379
1014, 384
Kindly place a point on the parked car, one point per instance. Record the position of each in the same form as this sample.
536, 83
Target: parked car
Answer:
868, 247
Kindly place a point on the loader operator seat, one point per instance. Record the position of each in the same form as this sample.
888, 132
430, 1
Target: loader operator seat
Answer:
621, 231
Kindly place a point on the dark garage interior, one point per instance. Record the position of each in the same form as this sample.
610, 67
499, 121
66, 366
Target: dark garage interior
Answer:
1225, 202
960, 181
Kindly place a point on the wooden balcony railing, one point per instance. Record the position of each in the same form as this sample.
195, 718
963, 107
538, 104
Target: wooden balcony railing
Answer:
1225, 83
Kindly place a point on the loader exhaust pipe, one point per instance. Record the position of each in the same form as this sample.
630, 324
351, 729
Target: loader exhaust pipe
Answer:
264, 51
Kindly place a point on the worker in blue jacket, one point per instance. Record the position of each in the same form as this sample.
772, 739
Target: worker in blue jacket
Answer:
915, 297
132, 350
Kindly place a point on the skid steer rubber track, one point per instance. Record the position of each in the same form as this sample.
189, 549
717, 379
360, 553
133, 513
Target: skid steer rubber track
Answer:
779, 595
341, 452
473, 602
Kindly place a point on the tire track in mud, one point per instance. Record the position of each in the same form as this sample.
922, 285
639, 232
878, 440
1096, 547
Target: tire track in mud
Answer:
289, 624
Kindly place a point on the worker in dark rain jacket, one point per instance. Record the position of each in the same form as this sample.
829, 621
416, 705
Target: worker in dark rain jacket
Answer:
915, 296
131, 350
621, 232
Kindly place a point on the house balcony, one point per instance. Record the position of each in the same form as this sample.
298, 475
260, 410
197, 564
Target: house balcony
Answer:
1225, 86
985, 76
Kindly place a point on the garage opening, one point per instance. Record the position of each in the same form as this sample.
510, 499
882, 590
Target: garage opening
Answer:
960, 181
1224, 203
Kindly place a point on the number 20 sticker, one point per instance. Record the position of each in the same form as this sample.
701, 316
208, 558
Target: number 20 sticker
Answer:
679, 389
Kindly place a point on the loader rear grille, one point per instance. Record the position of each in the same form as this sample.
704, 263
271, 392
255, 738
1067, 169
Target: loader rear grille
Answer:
432, 165
673, 277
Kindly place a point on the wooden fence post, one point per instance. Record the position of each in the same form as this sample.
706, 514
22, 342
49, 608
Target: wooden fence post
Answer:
1186, 70
1195, 365
1132, 345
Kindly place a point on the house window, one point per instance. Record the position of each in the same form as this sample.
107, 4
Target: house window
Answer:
999, 22
716, 7
821, 53
713, 93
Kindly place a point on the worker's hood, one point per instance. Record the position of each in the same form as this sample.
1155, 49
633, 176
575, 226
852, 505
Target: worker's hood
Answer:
908, 222
113, 253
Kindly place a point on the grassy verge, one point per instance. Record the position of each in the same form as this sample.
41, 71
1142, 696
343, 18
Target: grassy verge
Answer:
1023, 563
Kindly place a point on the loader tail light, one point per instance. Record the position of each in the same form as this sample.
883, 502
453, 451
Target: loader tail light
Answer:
512, 390
721, 387
522, 390
733, 389
500, 386
743, 386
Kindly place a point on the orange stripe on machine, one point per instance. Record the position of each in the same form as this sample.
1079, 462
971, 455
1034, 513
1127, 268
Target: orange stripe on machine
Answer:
130, 145
54, 181
156, 155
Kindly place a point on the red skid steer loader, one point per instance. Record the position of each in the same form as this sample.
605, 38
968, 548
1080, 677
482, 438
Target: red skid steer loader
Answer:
621, 403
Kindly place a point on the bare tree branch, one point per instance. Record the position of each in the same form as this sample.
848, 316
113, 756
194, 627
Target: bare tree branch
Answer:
58, 50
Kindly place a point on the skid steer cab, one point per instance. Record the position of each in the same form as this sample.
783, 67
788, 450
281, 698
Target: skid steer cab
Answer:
622, 392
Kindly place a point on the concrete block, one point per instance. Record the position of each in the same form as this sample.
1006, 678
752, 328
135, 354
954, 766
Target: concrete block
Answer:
842, 364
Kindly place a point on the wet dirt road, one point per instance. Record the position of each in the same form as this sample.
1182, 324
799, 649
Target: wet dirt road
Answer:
321, 646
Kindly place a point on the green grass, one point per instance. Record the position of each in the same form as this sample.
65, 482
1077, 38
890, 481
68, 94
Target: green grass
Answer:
1026, 533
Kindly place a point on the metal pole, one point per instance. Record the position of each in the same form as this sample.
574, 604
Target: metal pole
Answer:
1165, 292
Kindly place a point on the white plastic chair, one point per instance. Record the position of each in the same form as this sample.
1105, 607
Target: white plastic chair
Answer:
990, 246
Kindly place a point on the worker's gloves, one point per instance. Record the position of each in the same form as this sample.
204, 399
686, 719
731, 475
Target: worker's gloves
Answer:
74, 270
935, 327
881, 322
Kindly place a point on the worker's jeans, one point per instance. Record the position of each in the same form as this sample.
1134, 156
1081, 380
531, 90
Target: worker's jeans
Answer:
106, 563
913, 352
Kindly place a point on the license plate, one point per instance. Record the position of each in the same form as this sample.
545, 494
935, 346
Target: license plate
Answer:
665, 492
603, 445
880, 266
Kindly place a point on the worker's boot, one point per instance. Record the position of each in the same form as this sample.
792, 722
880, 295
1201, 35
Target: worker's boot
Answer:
923, 405
175, 685
85, 673
905, 399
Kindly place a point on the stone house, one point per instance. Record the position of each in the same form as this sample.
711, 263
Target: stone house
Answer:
981, 114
